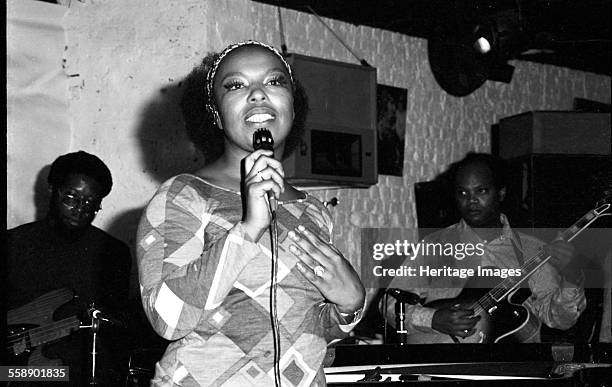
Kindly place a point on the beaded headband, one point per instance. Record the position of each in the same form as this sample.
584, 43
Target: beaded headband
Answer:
210, 76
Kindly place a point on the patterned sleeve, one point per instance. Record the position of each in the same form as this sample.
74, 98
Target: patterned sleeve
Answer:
336, 326
184, 271
556, 303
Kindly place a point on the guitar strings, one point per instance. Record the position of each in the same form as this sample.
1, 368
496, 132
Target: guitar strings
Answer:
541, 258
485, 303
38, 328
37, 312
35, 308
45, 332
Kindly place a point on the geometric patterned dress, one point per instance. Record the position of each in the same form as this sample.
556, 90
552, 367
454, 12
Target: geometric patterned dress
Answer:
205, 285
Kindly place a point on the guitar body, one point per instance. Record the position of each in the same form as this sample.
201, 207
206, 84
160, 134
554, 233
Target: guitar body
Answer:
32, 325
483, 326
507, 321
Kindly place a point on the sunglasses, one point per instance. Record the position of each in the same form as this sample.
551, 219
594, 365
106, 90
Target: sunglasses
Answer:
70, 200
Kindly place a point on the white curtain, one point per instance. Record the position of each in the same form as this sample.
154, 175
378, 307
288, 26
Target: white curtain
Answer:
38, 125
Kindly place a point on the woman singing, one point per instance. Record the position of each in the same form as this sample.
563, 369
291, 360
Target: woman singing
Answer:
205, 251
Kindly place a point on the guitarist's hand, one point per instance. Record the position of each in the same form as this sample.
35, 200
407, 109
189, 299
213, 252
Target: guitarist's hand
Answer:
455, 321
562, 255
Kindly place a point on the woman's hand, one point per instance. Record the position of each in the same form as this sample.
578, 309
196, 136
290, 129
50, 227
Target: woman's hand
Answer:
263, 173
325, 267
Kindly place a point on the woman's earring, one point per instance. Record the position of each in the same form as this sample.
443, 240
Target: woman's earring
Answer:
218, 120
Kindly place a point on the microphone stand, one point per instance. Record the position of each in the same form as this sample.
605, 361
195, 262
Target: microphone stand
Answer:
402, 298
97, 318
95, 328
400, 317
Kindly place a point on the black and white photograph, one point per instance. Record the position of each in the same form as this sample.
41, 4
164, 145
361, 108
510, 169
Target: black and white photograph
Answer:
391, 125
304, 193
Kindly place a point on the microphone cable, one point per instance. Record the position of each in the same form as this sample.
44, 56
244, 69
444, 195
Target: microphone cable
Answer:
273, 299
262, 139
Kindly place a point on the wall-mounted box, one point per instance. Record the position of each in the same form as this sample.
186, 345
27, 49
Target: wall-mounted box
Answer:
339, 146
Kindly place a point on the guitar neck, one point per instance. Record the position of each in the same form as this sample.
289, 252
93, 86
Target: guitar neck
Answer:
53, 331
530, 266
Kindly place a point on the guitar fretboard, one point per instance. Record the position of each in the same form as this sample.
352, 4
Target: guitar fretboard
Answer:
53, 331
508, 285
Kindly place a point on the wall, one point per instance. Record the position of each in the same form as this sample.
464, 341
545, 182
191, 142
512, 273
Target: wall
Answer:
127, 60
36, 104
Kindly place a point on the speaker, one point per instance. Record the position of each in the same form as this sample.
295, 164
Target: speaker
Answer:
435, 206
554, 132
548, 193
552, 190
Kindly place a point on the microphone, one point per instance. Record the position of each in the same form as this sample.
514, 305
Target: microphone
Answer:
262, 139
404, 296
97, 313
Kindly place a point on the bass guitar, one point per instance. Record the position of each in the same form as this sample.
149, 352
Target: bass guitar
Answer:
503, 317
31, 325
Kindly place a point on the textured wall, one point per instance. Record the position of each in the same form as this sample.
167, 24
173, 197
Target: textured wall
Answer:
127, 60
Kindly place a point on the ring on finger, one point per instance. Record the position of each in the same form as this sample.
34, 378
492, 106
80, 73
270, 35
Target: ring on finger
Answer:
466, 331
319, 271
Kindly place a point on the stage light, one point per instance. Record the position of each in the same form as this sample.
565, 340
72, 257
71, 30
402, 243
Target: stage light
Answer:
474, 45
482, 45
484, 37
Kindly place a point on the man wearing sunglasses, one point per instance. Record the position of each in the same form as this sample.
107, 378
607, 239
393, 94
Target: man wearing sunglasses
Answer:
64, 255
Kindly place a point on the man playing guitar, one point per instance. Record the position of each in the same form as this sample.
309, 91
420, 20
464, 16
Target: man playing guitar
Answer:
59, 266
557, 297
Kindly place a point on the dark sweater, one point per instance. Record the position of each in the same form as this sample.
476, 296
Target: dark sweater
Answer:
93, 265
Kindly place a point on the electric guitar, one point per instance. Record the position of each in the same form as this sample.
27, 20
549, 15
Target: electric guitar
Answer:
503, 317
31, 325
